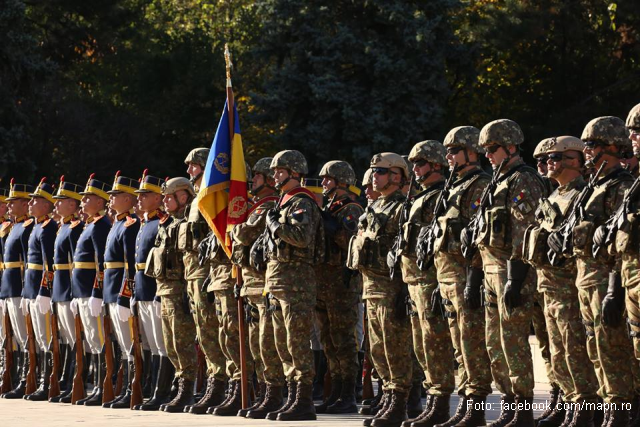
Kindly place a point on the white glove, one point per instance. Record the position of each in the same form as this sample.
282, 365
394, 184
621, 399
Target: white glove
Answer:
44, 304
95, 306
2, 307
124, 313
157, 306
24, 306
132, 301
74, 307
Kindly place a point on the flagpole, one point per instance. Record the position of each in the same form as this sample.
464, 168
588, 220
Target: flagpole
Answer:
244, 383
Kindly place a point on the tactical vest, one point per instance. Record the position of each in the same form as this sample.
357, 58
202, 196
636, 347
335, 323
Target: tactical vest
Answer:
411, 228
192, 231
496, 227
334, 254
164, 261
594, 215
369, 250
452, 222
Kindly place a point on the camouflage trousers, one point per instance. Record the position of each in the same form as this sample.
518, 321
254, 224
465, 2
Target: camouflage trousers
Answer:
568, 347
467, 332
507, 336
338, 318
207, 325
292, 323
609, 349
632, 303
229, 333
431, 341
178, 332
542, 335
263, 346
390, 343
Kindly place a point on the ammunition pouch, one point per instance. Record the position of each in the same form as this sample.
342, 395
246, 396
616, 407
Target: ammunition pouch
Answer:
257, 253
582, 238
626, 239
534, 248
164, 264
185, 239
497, 221
448, 240
369, 254
411, 231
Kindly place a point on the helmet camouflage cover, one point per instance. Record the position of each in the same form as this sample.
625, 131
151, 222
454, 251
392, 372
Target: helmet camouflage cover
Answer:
502, 132
198, 156
464, 136
263, 166
292, 160
608, 130
179, 183
430, 150
339, 170
390, 160
633, 119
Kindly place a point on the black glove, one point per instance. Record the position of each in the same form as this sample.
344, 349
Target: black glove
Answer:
204, 249
436, 301
516, 273
473, 289
613, 301
555, 242
599, 238
236, 291
401, 302
273, 223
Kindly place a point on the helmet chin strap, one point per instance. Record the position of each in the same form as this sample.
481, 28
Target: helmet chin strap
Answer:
196, 178
467, 161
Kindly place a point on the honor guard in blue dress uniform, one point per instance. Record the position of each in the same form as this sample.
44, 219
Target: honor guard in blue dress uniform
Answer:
14, 259
67, 207
119, 263
5, 228
88, 271
39, 272
149, 203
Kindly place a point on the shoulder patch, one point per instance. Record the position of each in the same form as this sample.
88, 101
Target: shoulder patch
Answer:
27, 223
130, 221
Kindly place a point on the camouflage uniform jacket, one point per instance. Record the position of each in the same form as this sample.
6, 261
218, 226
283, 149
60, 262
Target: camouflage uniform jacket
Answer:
190, 234
164, 260
462, 203
420, 215
244, 235
220, 268
607, 195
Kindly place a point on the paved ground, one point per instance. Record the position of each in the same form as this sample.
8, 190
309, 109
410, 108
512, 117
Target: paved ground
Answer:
23, 412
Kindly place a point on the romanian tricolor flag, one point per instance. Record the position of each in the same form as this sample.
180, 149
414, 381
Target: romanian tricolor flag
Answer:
222, 198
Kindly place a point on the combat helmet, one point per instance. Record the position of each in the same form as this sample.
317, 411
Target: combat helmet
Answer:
263, 166
198, 156
501, 132
390, 160
429, 150
464, 136
368, 178
633, 119
292, 160
607, 130
172, 185
339, 170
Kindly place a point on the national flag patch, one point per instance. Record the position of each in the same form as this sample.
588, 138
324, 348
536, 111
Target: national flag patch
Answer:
519, 198
475, 204
348, 218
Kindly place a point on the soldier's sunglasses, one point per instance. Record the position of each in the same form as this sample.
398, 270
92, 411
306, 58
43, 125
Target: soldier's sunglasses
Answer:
420, 162
543, 159
454, 150
492, 148
381, 171
557, 157
592, 144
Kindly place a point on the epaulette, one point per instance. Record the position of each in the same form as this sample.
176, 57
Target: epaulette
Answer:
75, 223
45, 223
27, 223
164, 219
130, 221
6, 227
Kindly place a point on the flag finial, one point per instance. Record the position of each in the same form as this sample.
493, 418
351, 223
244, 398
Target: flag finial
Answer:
229, 64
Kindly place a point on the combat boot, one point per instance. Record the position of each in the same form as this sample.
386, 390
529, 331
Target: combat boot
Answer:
425, 412
230, 394
507, 411
373, 410
272, 402
183, 398
461, 410
302, 408
346, 403
375, 399
568, 416
66, 380
125, 401
385, 403
42, 393
262, 392
618, 418
414, 401
555, 395
554, 415
213, 396
18, 391
291, 397
336, 389
523, 416
396, 413
582, 417
233, 403
98, 379
474, 417
150, 365
438, 414
163, 386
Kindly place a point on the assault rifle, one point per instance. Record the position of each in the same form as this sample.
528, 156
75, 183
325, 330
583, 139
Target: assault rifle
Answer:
7, 344
427, 237
394, 254
565, 232
470, 232
618, 220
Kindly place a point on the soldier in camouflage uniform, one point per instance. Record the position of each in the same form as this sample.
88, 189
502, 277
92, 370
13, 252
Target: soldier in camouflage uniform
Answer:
367, 182
570, 361
295, 243
190, 234
509, 282
165, 264
338, 289
598, 280
431, 338
261, 337
461, 280
388, 326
